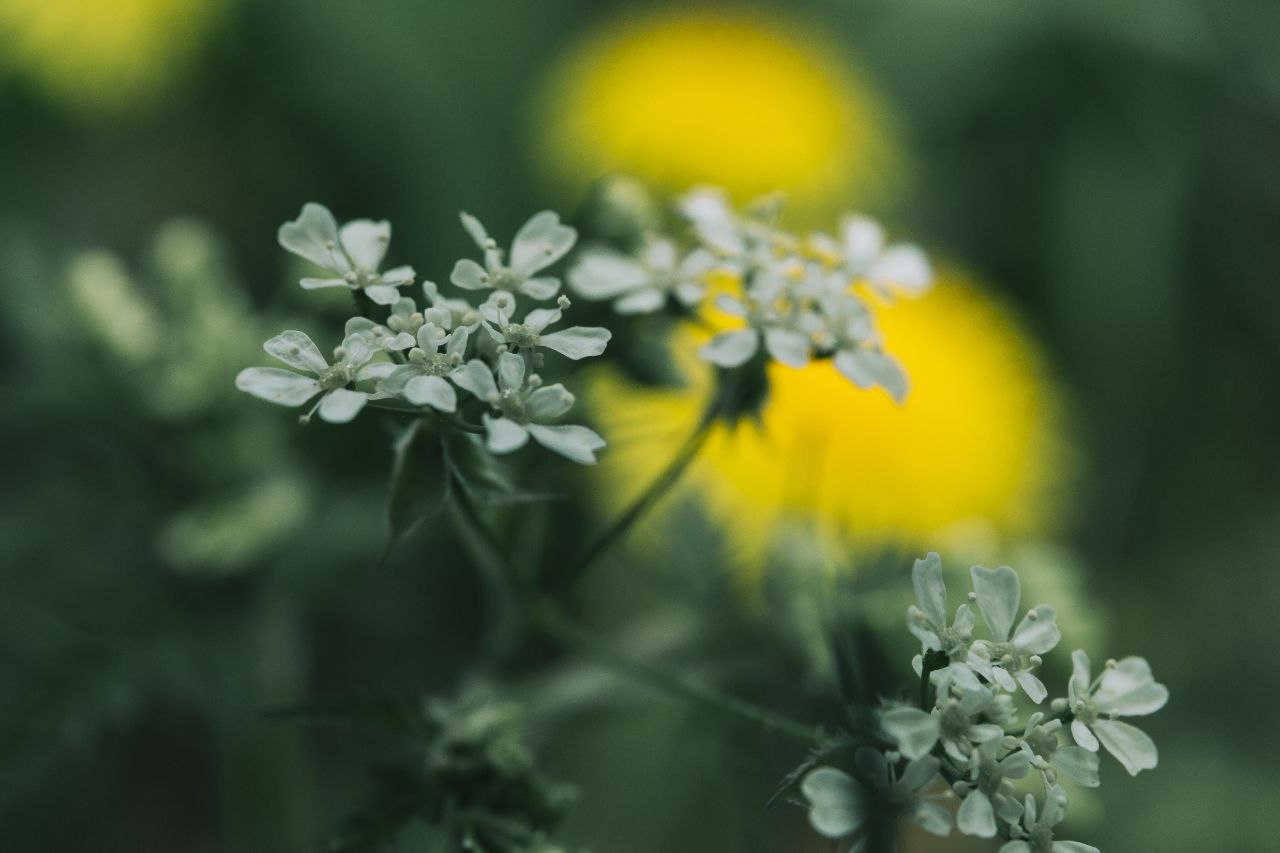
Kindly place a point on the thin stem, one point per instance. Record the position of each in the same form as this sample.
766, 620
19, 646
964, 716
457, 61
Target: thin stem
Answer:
506, 589
656, 490
568, 633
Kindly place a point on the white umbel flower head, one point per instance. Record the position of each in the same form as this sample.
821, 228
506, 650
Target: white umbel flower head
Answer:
525, 409
538, 244
644, 283
352, 253
1126, 688
338, 404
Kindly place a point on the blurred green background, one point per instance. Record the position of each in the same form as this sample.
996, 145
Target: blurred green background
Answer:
177, 558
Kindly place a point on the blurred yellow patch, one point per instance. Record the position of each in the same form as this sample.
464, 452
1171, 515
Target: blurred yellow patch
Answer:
102, 53
734, 99
974, 452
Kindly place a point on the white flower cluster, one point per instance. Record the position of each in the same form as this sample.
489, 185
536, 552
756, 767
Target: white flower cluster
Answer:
800, 298
963, 750
415, 358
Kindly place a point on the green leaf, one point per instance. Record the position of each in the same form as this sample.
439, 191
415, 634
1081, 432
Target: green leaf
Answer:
420, 481
480, 475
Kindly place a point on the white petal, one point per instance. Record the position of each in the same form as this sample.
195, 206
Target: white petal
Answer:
933, 818
469, 275
476, 377
573, 442
377, 370
919, 772
787, 346
504, 435
1077, 764
510, 372
1129, 689
474, 228
382, 294
431, 391
539, 318
1034, 687
321, 283
931, 590
340, 405
314, 236
398, 275
540, 242
1038, 635
914, 730
837, 802
577, 341
366, 242
277, 386
1083, 735
1015, 847
903, 268
551, 401
605, 274
867, 368
976, 817
643, 301
998, 593
357, 349
731, 349
862, 239
543, 287
1130, 745
1080, 675
297, 350
1074, 847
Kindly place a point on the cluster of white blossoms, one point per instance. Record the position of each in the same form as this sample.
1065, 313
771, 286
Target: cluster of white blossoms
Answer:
416, 358
798, 298
959, 757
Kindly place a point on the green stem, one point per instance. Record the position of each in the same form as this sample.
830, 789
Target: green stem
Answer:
506, 589
661, 485
568, 633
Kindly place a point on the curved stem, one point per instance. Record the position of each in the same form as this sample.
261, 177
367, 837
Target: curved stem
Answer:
568, 633
505, 588
656, 490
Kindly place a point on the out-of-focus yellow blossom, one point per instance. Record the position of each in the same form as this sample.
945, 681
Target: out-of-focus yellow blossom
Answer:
102, 53
975, 451
735, 99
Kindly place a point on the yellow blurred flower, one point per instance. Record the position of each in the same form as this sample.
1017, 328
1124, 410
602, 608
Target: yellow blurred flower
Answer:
734, 99
974, 453
102, 53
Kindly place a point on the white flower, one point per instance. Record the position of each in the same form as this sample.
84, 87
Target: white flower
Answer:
353, 253
462, 313
538, 244
900, 268
1040, 742
1125, 689
989, 793
952, 722
422, 381
928, 622
642, 284
338, 404
1034, 835
524, 409
1006, 660
575, 342
839, 804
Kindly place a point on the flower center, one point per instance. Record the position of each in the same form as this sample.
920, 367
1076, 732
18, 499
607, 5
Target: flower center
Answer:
521, 335
336, 376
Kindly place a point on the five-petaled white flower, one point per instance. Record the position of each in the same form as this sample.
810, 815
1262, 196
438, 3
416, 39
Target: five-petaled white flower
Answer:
422, 380
1125, 689
642, 284
928, 622
538, 244
862, 254
524, 408
989, 791
353, 253
1035, 834
574, 342
1008, 660
339, 404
